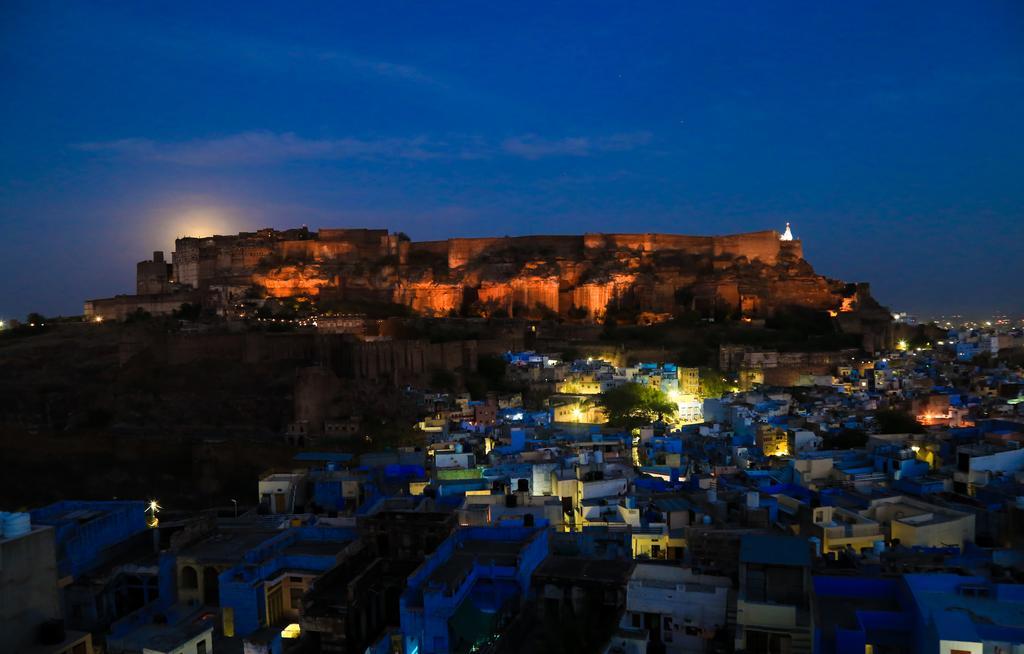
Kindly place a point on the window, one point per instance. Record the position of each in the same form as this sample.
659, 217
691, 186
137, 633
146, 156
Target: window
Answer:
295, 597
189, 577
201, 647
295, 580
636, 621
274, 605
768, 642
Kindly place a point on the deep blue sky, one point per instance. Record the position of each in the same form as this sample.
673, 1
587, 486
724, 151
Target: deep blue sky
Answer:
890, 134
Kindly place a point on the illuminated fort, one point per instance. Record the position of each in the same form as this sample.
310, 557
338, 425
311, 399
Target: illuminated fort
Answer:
580, 277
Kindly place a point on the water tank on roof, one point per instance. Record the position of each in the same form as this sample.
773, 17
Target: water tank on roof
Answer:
598, 456
16, 524
706, 519
712, 495
458, 448
584, 457
753, 499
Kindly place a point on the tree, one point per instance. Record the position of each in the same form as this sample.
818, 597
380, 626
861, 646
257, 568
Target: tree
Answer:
443, 380
139, 315
712, 383
633, 405
897, 422
188, 311
846, 439
492, 368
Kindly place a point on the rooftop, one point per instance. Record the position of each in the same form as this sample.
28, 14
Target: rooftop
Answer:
611, 571
775, 550
227, 546
451, 573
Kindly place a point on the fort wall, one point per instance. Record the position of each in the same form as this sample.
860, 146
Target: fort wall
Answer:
576, 276
765, 246
121, 306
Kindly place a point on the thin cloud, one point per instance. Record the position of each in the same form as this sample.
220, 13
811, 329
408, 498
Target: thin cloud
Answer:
534, 147
256, 148
377, 67
264, 147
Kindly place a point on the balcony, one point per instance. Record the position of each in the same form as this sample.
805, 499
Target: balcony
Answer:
776, 616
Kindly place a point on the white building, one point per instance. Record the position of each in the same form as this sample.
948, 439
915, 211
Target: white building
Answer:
678, 608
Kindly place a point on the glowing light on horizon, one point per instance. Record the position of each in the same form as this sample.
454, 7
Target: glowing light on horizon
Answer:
195, 217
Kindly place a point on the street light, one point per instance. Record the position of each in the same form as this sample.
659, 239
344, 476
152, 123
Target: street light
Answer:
235, 502
153, 508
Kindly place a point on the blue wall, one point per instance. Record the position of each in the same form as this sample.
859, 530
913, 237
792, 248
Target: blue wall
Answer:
82, 546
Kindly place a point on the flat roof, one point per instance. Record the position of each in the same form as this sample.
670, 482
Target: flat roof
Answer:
453, 571
336, 457
775, 550
227, 546
613, 571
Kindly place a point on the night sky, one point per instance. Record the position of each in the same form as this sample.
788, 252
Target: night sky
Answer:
890, 134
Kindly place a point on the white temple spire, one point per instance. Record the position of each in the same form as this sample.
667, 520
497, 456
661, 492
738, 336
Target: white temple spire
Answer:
787, 235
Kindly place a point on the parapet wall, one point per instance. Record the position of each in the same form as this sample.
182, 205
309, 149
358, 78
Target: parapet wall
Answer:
197, 260
765, 245
463, 250
755, 245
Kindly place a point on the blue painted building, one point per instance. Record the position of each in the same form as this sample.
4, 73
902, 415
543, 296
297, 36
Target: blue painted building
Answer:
970, 614
266, 588
920, 613
469, 587
87, 533
105, 560
851, 613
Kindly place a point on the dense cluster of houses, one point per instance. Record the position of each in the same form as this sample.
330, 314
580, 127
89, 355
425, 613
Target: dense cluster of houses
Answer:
780, 520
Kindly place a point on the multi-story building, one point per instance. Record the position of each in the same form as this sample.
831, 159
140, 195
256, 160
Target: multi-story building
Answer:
470, 587
682, 612
772, 605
